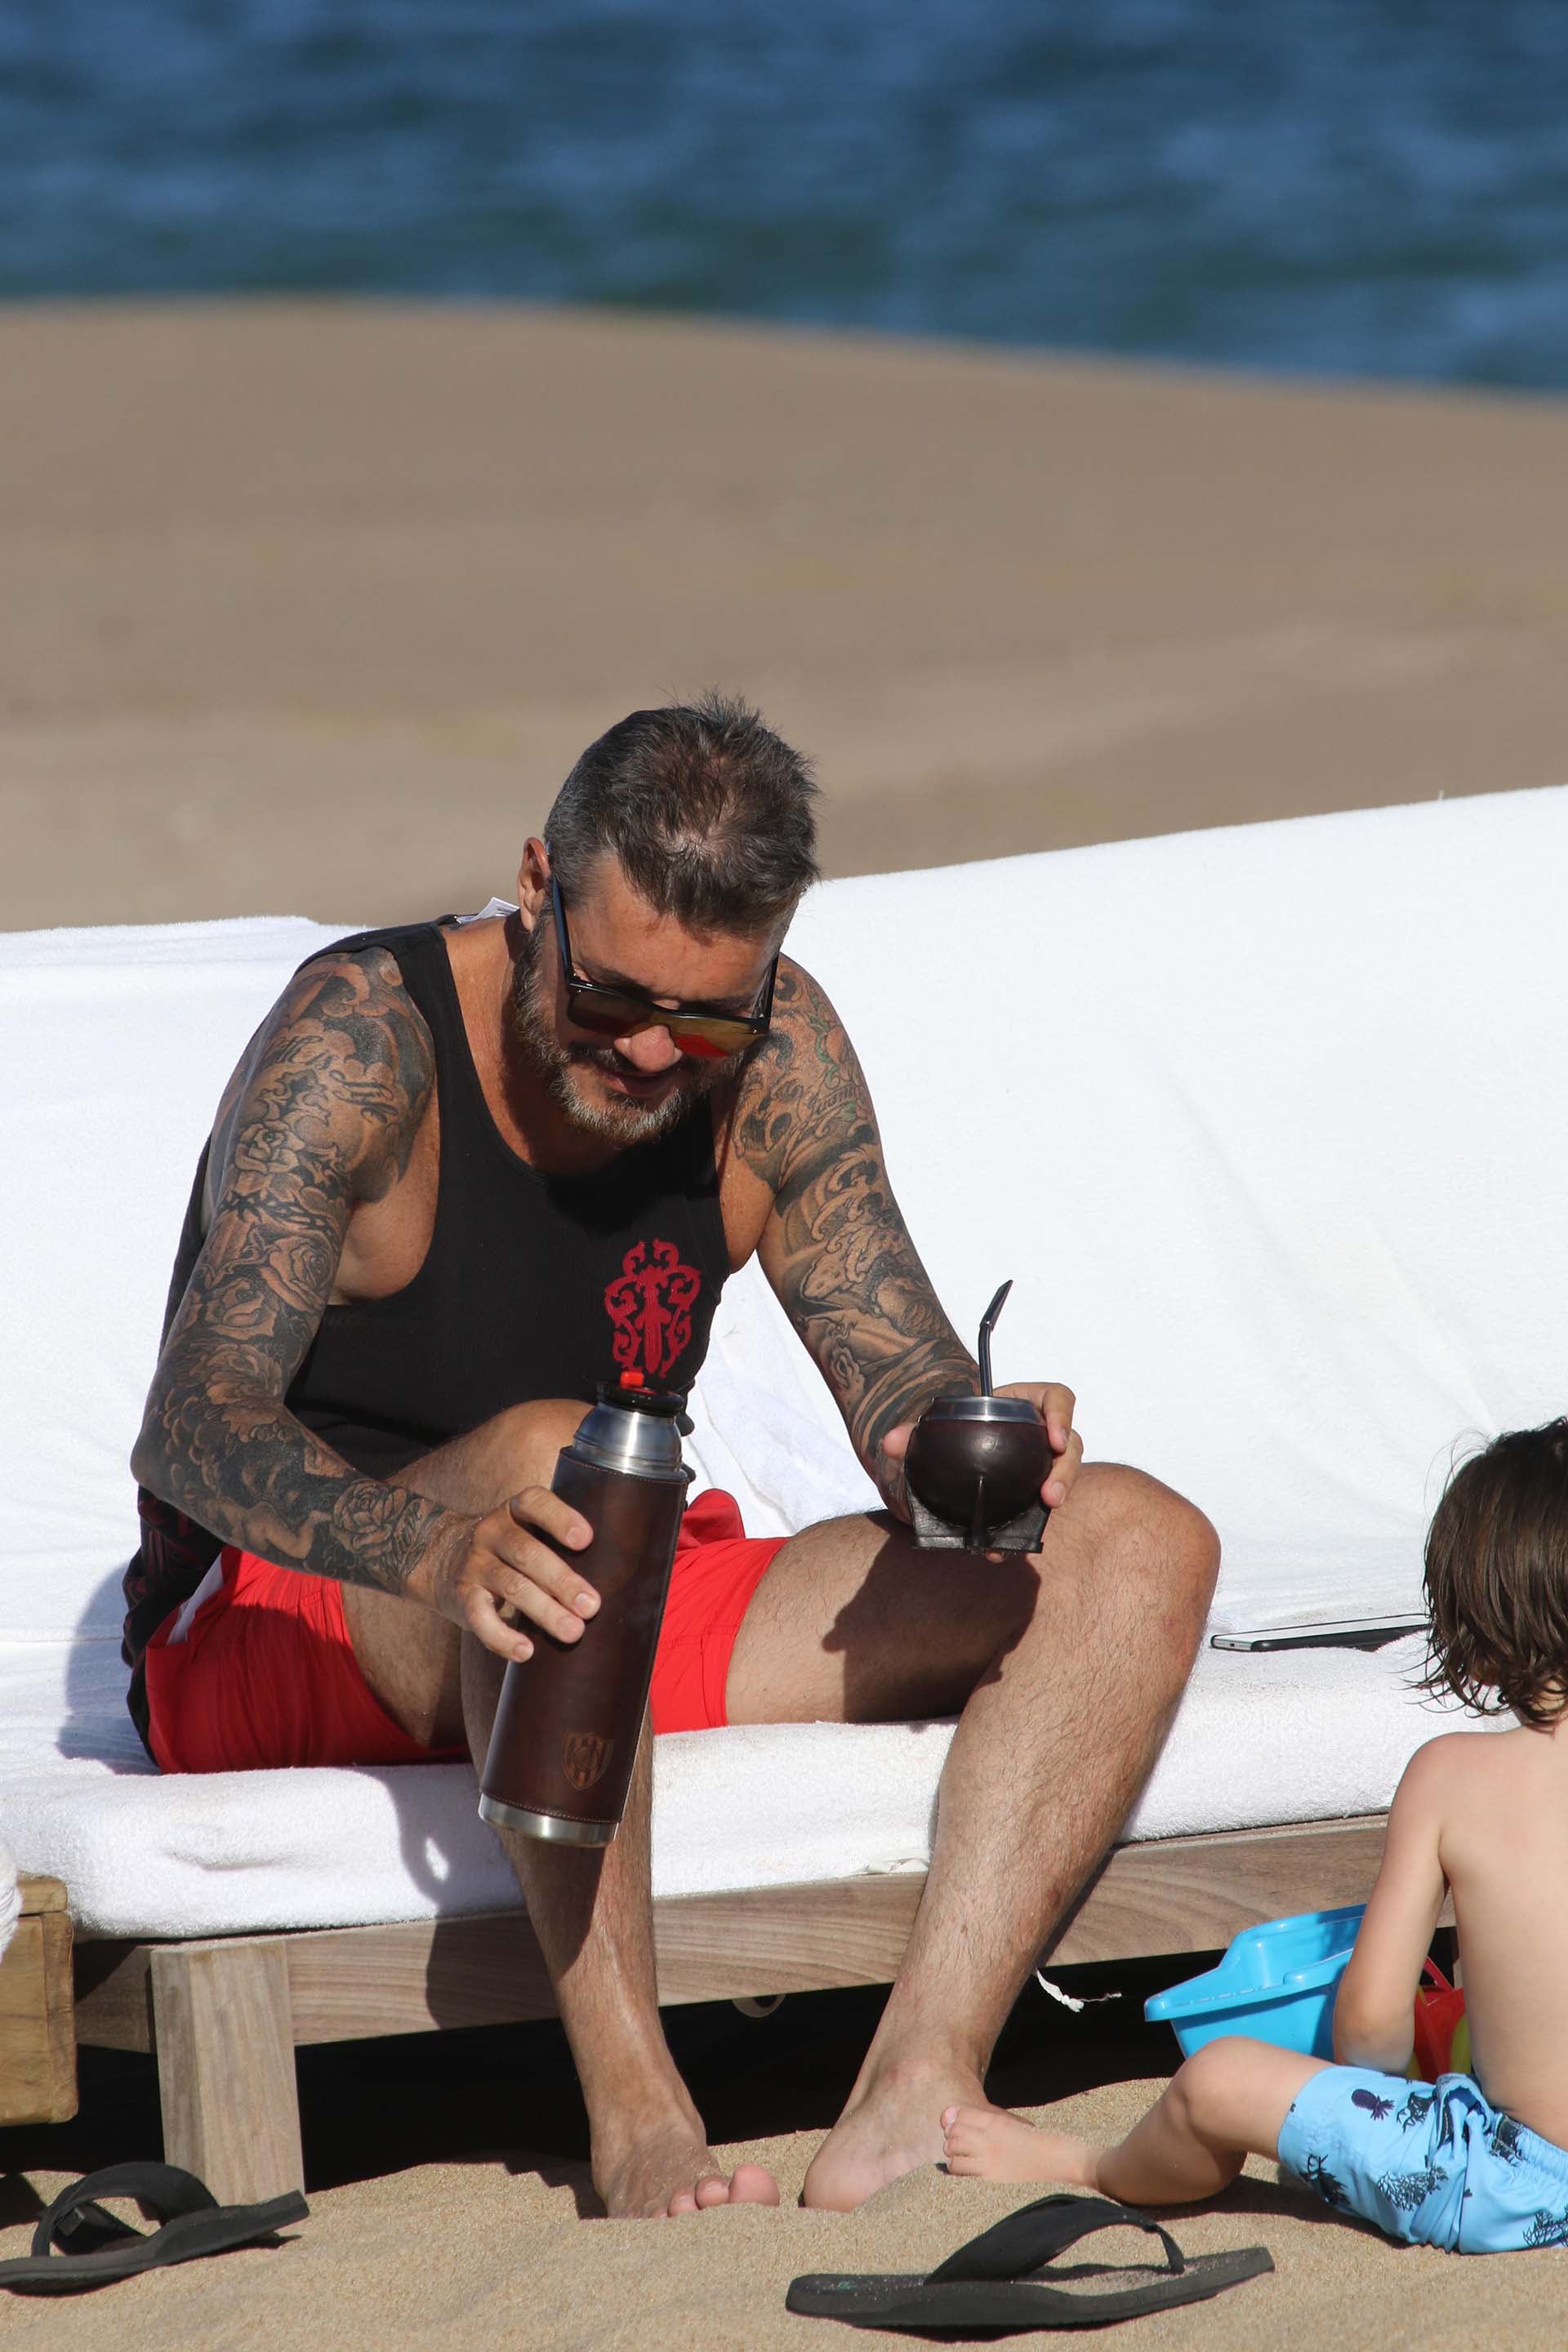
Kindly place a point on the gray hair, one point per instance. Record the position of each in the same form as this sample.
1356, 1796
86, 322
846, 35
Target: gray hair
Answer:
707, 811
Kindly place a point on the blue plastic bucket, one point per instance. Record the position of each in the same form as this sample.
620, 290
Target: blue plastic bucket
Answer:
1277, 1982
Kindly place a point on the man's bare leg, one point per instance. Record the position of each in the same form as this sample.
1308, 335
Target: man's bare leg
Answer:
1068, 1668
590, 1911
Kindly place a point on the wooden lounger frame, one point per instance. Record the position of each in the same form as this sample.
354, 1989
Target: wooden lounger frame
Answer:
37, 2043
224, 2016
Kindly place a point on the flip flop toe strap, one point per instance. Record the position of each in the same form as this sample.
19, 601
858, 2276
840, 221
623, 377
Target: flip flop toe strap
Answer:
96, 2248
1036, 2234
78, 2223
1001, 2282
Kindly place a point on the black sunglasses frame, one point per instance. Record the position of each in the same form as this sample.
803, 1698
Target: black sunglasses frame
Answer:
711, 1033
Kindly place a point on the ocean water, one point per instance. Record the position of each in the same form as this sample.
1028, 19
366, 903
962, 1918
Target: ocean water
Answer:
1349, 188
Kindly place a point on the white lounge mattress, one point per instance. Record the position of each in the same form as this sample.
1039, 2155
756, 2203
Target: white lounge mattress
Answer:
1294, 1736
1277, 1172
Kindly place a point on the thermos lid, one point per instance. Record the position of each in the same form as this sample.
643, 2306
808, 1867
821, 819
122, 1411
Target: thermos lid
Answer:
637, 1430
630, 1393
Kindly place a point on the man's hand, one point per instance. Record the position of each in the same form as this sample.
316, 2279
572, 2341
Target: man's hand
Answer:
475, 1571
1054, 1406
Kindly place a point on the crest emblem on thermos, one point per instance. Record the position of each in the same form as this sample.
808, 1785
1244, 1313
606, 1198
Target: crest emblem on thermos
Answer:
584, 1755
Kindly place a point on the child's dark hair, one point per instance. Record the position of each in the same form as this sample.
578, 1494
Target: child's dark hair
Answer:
1497, 1579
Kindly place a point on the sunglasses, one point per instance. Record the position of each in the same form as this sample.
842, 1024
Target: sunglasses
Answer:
622, 1012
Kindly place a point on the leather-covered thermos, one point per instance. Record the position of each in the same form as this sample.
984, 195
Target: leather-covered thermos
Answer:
565, 1733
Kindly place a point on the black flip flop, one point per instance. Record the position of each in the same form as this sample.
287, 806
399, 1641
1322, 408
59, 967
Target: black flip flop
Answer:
994, 2285
96, 2249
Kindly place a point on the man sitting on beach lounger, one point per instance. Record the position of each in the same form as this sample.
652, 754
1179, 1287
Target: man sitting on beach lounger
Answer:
464, 1174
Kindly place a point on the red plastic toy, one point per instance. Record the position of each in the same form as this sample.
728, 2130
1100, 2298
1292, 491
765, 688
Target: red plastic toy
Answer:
1442, 2029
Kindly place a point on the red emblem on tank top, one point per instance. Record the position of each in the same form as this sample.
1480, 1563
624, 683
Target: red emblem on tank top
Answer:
651, 1303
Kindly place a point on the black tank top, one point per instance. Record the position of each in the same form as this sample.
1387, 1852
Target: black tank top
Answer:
533, 1285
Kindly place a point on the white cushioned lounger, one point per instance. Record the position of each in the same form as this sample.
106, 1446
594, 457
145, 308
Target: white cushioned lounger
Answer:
1268, 1125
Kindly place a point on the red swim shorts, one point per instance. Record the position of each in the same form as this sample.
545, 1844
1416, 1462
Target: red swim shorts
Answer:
261, 1672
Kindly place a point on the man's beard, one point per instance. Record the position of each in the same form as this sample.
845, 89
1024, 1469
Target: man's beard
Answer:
619, 1119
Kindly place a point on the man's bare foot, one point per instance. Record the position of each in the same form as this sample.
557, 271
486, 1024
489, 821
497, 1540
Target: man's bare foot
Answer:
667, 2168
890, 2128
749, 2184
987, 2143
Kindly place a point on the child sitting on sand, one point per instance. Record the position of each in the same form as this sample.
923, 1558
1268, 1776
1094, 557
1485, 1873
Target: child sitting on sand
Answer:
1450, 2164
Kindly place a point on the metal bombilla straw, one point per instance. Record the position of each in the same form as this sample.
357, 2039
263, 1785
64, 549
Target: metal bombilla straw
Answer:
988, 1325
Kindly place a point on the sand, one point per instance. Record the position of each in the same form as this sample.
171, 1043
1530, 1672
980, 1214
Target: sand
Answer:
308, 609
469, 2257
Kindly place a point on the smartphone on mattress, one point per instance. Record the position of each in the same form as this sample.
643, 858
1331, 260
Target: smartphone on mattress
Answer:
1340, 1634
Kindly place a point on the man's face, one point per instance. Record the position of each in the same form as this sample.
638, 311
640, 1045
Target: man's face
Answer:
628, 1089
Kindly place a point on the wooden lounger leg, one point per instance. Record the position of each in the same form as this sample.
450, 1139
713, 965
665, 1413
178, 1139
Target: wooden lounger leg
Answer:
37, 2027
226, 2067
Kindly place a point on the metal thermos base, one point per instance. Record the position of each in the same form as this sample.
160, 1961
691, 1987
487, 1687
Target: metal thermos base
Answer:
552, 1826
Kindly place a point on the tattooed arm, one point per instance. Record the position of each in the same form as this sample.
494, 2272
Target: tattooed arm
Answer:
322, 1114
835, 1246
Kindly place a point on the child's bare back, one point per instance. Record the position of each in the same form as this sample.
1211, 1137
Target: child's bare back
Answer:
1480, 2165
1497, 1807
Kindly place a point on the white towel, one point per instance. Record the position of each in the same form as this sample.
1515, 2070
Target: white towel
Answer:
115, 1044
766, 1429
10, 1895
1303, 1736
1267, 1124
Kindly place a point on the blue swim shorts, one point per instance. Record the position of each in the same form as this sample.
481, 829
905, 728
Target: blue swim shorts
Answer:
1433, 2164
